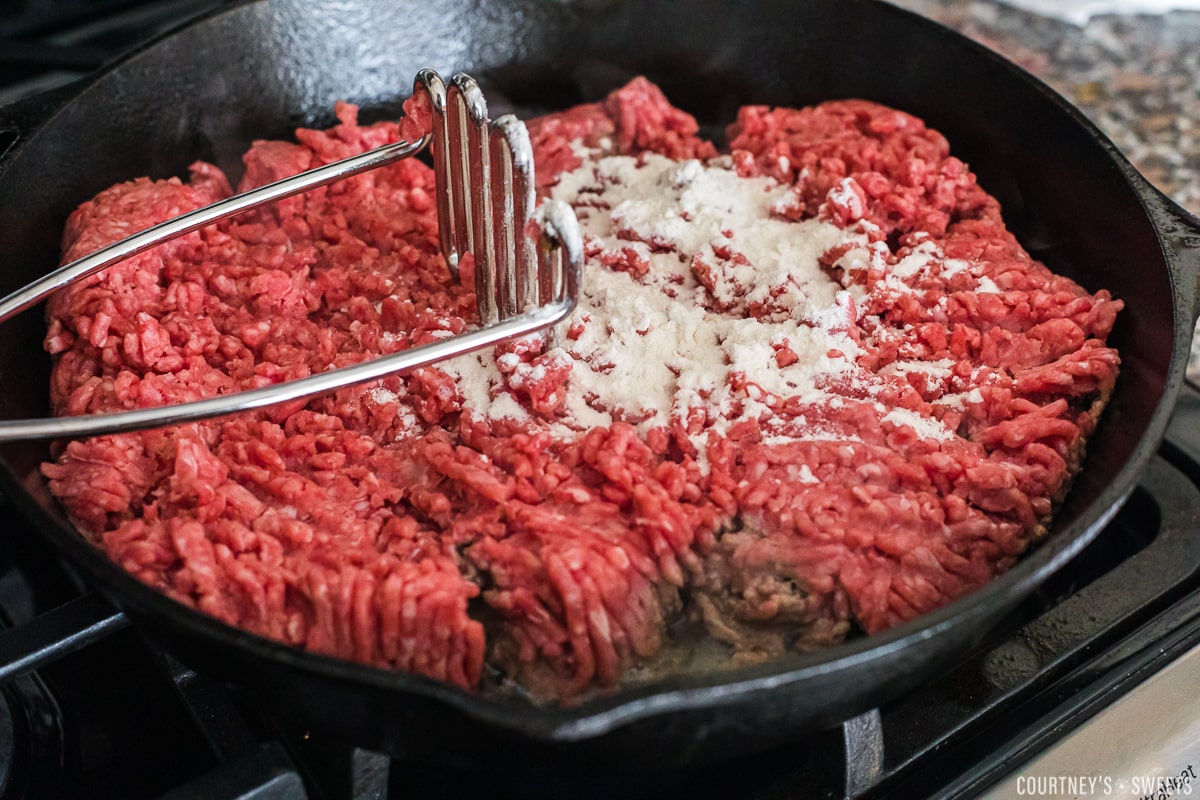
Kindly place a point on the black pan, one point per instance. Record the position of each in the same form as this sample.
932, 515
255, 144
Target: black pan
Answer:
260, 69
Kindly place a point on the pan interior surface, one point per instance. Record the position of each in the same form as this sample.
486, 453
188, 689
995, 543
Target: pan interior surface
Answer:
260, 69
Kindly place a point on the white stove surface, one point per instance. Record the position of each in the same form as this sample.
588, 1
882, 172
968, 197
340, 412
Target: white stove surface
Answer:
1146, 745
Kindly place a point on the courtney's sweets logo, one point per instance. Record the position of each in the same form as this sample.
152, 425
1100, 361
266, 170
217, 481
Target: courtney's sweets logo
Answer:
1163, 787
1141, 787
1068, 785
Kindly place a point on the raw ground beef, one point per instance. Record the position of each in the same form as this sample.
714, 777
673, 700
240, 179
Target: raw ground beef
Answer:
496, 521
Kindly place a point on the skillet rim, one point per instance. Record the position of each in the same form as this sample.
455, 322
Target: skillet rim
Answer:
620, 707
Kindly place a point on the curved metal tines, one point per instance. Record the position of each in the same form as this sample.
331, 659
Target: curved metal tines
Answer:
485, 192
559, 254
513, 199
466, 136
431, 84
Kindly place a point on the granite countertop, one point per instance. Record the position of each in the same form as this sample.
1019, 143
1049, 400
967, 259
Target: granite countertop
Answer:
1136, 76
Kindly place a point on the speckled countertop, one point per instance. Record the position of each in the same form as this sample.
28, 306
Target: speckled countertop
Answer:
1136, 77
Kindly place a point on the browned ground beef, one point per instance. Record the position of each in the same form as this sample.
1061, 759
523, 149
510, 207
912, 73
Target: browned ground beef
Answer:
386, 524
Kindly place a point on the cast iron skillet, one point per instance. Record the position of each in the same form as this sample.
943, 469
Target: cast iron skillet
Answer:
262, 68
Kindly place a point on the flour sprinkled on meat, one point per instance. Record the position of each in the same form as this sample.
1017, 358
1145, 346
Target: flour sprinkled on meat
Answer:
814, 388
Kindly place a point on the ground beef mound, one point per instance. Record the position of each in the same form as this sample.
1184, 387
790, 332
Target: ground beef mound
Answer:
389, 524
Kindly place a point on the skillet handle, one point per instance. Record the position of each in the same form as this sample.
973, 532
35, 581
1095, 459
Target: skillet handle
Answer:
1179, 232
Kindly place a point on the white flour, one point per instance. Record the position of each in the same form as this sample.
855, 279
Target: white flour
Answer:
651, 343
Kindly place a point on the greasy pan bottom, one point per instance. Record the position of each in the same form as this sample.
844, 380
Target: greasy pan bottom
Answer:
200, 93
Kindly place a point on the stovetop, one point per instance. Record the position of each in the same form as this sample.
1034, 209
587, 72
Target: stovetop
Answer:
90, 709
